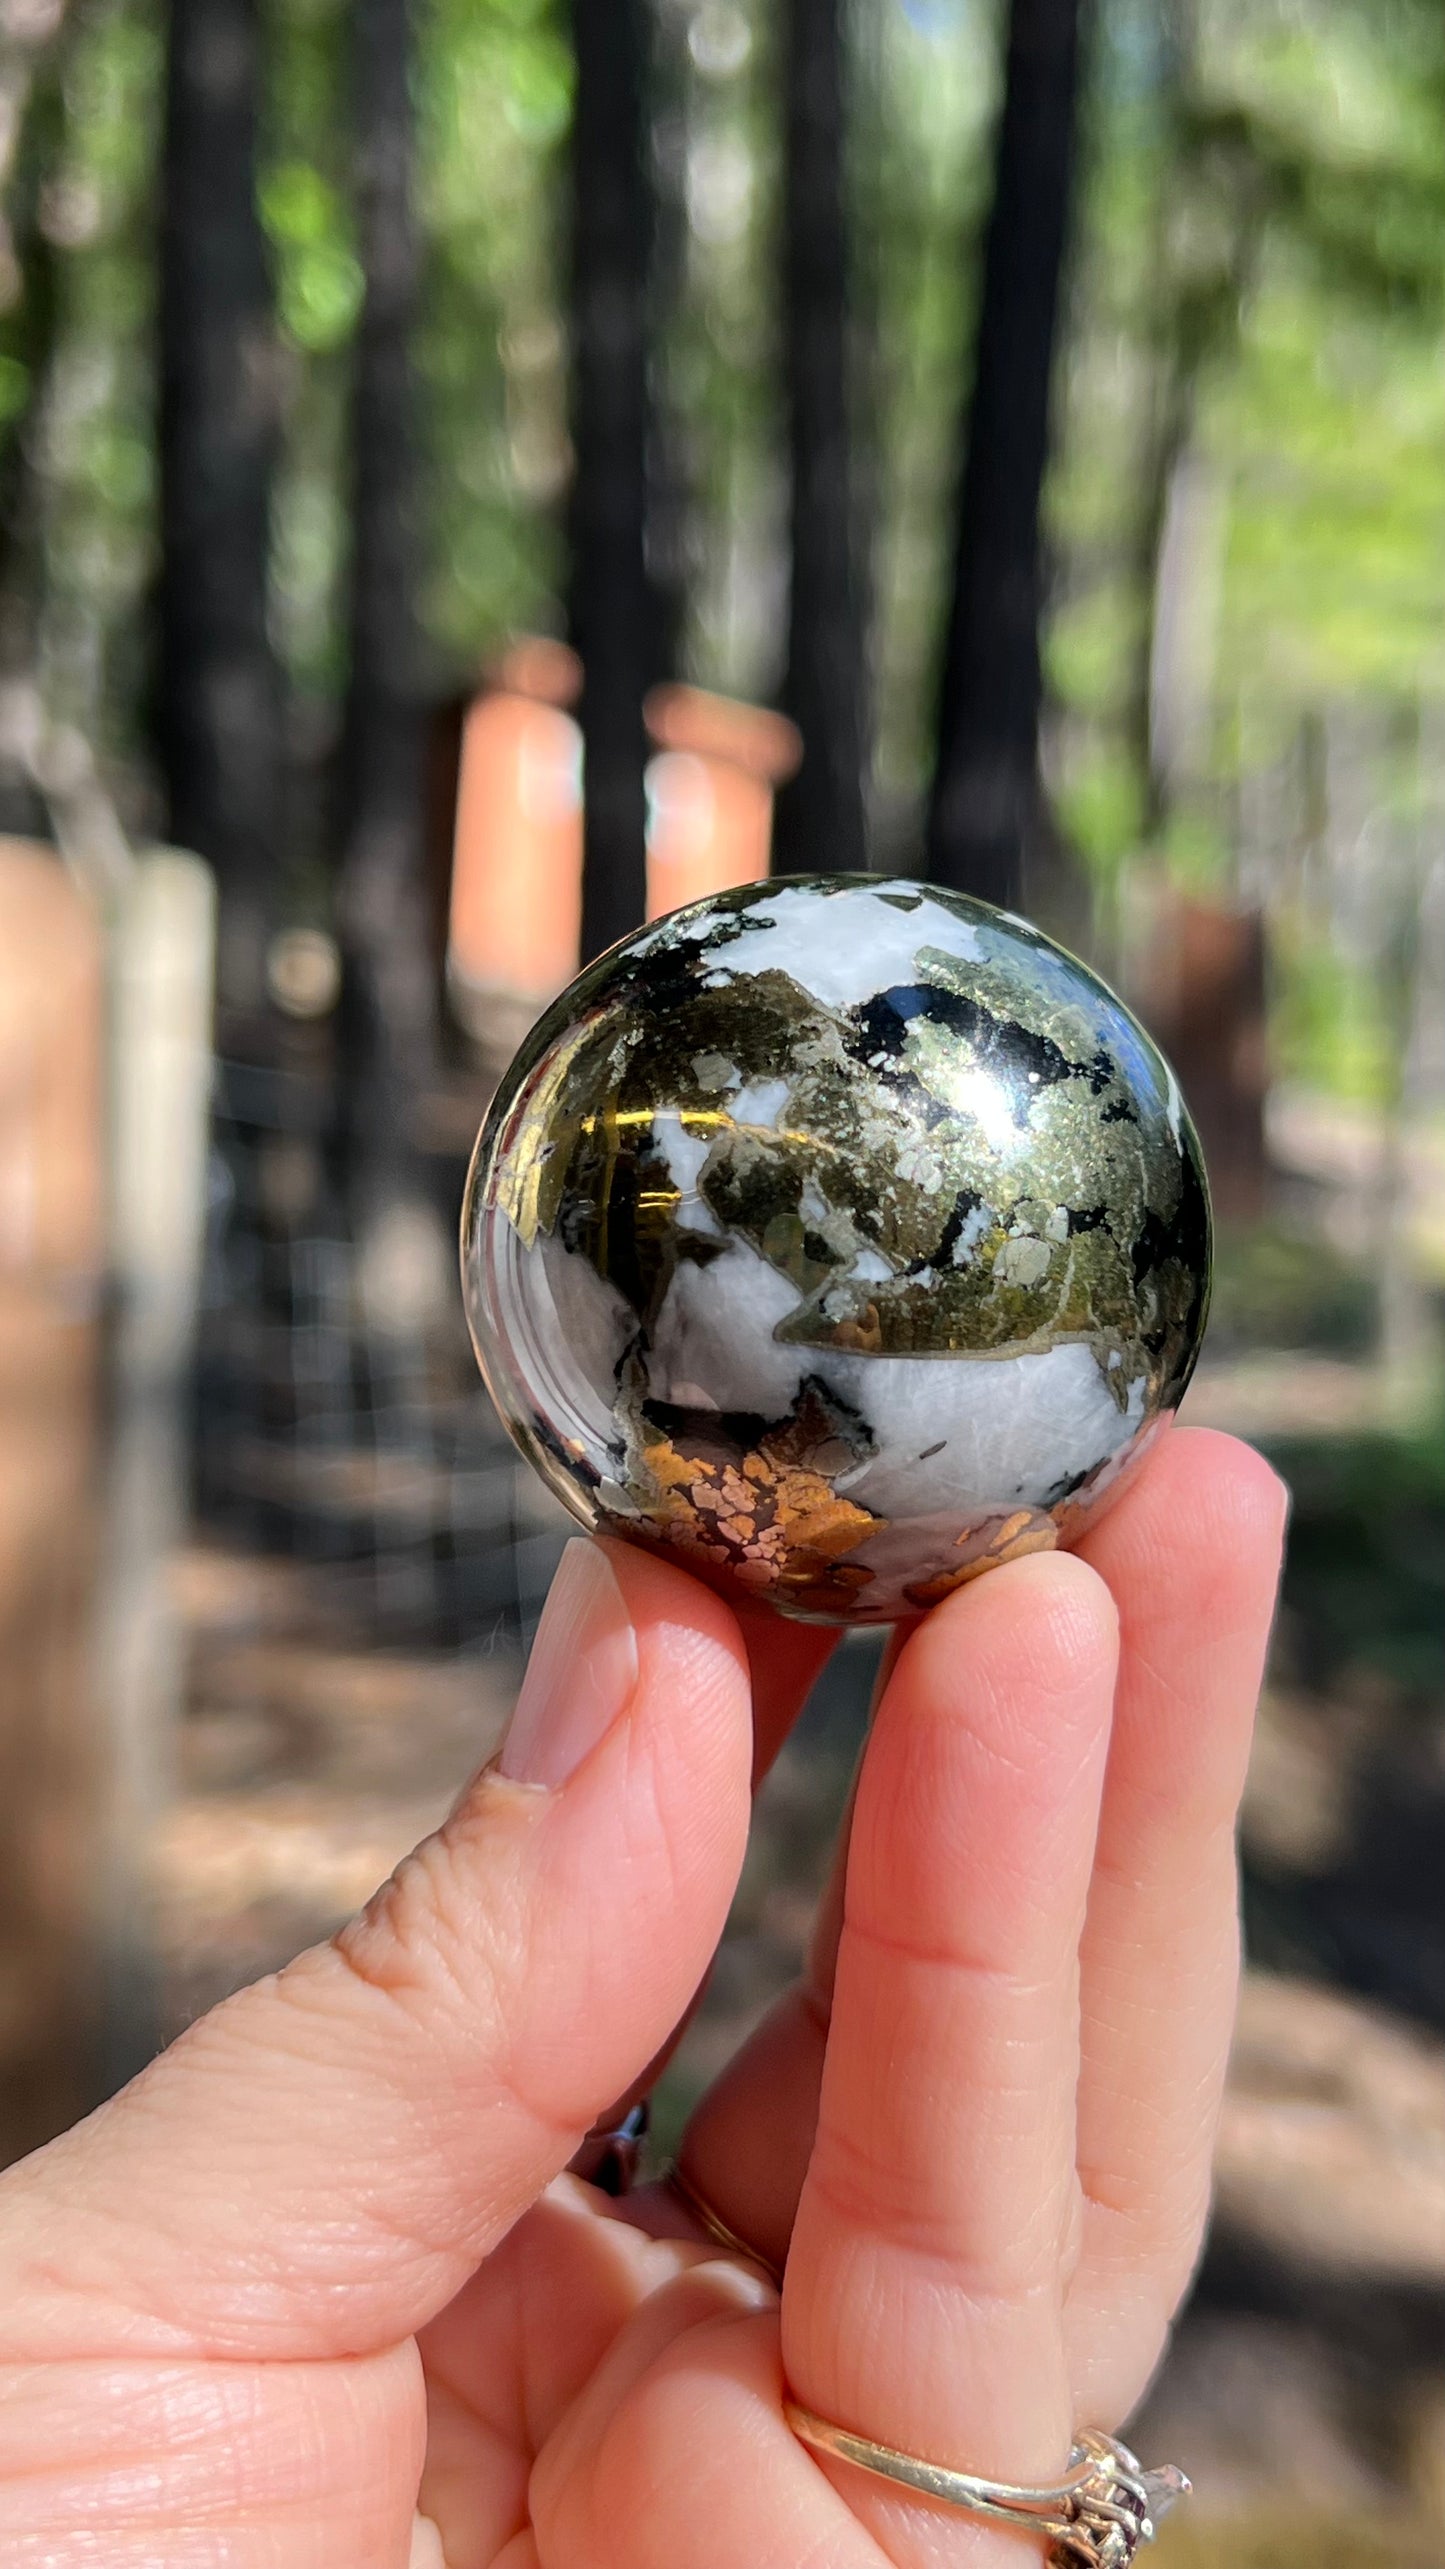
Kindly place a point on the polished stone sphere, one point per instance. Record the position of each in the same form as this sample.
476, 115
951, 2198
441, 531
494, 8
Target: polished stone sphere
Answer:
841, 1237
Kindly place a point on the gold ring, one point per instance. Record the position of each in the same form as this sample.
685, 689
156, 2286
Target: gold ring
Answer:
719, 2231
1096, 2517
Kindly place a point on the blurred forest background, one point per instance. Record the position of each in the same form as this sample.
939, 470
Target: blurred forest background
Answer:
1015, 431
218, 248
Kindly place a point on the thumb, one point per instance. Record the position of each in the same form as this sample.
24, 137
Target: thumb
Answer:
316, 2167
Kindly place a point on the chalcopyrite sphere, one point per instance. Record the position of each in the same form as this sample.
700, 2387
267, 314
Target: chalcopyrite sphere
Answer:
841, 1237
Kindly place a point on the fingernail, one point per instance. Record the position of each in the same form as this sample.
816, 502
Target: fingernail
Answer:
581, 1672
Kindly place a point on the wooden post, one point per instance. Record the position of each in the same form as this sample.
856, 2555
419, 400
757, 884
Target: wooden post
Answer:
51, 1774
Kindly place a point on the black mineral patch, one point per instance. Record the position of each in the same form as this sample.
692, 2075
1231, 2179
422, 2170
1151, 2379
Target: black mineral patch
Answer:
1013, 1053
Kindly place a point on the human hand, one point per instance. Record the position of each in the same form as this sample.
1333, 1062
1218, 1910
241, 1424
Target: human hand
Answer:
312, 2294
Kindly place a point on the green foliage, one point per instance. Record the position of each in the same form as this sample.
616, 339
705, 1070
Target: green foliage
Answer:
1365, 1581
1277, 1285
937, 79
493, 100
319, 283
304, 203
1331, 1029
1336, 541
1251, 461
1266, 219
1099, 802
76, 381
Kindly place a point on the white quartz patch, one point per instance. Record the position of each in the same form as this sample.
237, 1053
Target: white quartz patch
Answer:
714, 1336
1006, 1429
974, 1225
1022, 1261
763, 1101
870, 1267
844, 950
683, 1154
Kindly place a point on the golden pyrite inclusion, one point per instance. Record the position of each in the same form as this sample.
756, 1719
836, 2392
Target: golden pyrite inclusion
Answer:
841, 1236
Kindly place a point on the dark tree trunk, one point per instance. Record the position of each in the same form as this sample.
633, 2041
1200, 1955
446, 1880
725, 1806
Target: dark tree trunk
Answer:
821, 819
1192, 324
1168, 441
390, 1005
31, 336
617, 615
1169, 406
218, 709
669, 459
987, 813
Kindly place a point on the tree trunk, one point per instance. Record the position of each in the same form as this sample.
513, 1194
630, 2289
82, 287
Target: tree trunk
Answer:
987, 814
31, 338
821, 816
670, 497
1169, 404
1193, 322
390, 1001
219, 709
617, 615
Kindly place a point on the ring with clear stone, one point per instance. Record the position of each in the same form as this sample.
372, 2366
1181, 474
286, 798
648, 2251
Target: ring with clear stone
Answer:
1097, 2516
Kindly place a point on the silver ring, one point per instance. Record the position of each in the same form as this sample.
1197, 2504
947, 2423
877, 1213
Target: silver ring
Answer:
1097, 2516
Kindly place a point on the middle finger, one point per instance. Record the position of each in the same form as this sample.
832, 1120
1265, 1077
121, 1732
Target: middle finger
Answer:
924, 2289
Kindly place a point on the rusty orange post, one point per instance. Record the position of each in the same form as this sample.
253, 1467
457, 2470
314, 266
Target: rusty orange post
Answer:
51, 1162
710, 793
516, 894
516, 898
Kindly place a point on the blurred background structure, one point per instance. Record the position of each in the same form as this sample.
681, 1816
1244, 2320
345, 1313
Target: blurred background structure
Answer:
471, 473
